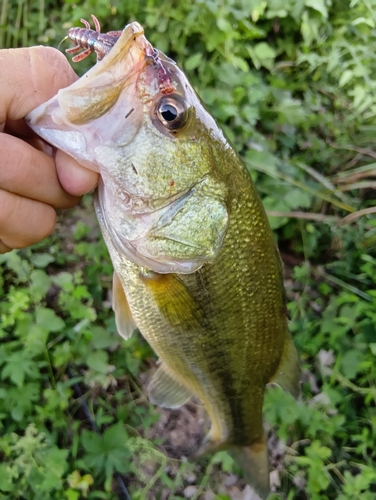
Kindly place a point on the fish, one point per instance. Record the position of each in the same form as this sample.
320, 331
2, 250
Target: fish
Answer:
196, 267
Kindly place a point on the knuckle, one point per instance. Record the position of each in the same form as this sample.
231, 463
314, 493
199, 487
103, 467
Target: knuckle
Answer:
49, 222
43, 225
69, 202
24, 222
15, 155
6, 208
4, 248
58, 71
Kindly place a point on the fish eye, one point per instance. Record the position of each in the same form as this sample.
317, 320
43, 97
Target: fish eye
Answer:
171, 112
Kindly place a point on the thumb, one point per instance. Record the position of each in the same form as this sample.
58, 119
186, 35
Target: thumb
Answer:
29, 77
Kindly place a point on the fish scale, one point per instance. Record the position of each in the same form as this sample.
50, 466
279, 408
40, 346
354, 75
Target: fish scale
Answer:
196, 266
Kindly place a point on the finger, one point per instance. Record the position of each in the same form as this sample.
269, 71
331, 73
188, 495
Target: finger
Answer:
4, 248
24, 222
29, 77
74, 178
18, 128
31, 173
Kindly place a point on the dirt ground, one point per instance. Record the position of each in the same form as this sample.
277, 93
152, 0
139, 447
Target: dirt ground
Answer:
180, 432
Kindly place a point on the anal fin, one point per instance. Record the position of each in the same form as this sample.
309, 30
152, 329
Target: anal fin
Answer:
287, 375
165, 390
123, 316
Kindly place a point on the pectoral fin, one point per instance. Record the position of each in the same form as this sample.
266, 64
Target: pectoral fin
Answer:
287, 375
123, 316
174, 300
164, 390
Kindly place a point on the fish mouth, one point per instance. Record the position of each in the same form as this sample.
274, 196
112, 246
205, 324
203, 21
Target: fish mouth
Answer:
68, 120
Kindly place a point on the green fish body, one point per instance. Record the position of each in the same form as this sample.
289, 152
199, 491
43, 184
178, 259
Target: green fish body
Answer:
196, 266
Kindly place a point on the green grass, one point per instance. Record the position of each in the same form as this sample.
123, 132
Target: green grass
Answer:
293, 85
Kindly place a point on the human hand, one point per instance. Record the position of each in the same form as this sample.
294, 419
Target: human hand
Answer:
34, 179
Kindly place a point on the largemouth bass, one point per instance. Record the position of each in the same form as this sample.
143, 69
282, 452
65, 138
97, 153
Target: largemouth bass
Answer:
196, 266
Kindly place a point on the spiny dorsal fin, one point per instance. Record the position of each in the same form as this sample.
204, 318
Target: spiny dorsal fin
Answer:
287, 375
165, 390
123, 316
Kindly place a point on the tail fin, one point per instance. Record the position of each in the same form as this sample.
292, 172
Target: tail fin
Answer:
253, 460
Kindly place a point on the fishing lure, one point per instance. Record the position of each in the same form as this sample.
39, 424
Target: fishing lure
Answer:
101, 43
91, 40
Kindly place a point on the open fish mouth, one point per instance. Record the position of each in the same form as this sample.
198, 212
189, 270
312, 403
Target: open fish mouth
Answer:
68, 120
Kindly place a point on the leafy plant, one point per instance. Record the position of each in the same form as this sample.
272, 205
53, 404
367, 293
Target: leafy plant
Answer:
293, 85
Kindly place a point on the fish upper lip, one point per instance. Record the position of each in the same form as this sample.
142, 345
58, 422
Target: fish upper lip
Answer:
126, 58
